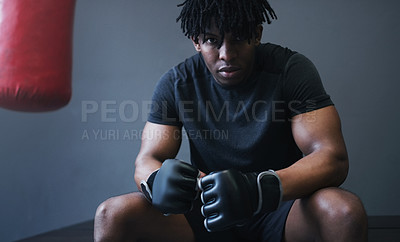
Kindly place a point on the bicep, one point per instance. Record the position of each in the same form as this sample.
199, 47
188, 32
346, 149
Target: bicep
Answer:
318, 135
319, 130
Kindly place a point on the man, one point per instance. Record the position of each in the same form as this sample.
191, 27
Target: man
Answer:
267, 152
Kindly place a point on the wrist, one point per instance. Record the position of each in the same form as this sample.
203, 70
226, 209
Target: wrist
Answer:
147, 186
269, 191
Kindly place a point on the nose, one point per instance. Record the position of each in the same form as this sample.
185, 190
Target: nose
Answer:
227, 51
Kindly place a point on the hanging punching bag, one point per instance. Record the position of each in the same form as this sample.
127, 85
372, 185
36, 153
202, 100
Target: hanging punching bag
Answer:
35, 54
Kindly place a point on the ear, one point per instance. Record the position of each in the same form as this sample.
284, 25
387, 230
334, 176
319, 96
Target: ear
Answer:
259, 31
196, 44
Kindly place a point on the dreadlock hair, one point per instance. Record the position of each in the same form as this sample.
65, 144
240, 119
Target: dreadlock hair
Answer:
239, 17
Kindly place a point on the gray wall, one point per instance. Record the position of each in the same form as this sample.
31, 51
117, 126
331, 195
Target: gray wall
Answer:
54, 170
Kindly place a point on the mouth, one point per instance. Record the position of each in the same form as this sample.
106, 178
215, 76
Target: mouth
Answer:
229, 71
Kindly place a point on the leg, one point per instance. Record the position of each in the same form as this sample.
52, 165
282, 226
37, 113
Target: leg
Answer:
330, 214
131, 217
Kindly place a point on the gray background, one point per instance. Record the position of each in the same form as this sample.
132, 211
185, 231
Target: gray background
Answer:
53, 175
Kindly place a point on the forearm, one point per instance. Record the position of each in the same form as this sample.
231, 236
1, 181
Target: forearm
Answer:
144, 166
155, 149
317, 170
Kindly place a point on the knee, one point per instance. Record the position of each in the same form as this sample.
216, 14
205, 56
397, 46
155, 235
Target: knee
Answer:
107, 210
104, 210
120, 209
334, 205
117, 213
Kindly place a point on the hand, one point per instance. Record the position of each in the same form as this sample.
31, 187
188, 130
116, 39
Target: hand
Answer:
174, 187
230, 197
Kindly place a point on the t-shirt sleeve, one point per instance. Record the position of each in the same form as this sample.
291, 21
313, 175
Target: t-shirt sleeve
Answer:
163, 109
303, 88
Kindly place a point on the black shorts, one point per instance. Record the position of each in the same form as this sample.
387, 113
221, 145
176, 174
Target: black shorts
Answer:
264, 227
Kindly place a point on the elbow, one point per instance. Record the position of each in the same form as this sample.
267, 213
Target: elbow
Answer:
341, 169
336, 163
137, 176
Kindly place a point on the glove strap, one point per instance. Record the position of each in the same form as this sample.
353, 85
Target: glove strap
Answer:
269, 191
147, 186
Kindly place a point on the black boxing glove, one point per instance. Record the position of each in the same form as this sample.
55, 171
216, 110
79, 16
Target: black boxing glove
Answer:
172, 188
231, 197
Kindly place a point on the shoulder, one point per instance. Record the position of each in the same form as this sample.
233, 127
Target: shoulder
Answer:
273, 58
282, 60
187, 71
184, 77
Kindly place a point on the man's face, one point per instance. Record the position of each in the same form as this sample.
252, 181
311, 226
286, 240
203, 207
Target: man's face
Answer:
230, 60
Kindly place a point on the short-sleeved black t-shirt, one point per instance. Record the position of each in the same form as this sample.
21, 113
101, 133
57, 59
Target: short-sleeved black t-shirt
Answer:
247, 127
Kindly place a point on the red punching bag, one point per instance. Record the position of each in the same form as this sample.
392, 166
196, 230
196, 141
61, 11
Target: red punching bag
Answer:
35, 54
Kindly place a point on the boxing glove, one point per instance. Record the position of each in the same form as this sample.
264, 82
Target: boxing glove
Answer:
231, 197
172, 188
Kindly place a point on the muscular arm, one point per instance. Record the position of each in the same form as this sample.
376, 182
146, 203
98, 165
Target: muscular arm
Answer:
159, 142
325, 163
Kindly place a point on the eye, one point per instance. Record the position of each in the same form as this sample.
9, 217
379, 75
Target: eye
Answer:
210, 40
240, 38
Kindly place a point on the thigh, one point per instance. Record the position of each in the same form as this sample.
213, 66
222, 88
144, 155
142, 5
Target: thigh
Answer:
138, 218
